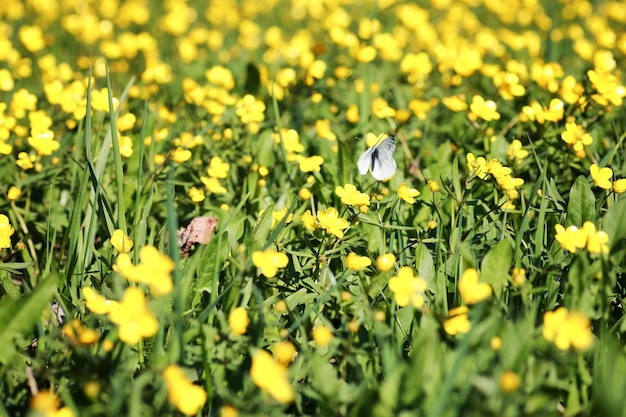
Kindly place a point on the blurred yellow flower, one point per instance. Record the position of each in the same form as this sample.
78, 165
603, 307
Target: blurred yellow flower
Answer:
284, 352
471, 290
97, 303
218, 168
407, 288
571, 238
154, 269
457, 321
269, 261
386, 262
509, 381
484, 109
308, 220
271, 376
182, 393
238, 320
14, 193
310, 164
47, 404
196, 195
322, 335
356, 262
213, 185
576, 138
134, 319
566, 329
43, 142
515, 151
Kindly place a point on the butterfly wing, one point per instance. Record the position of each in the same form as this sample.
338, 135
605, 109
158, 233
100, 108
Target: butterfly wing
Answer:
365, 160
383, 165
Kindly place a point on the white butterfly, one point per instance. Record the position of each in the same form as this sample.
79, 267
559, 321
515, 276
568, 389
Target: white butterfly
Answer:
378, 159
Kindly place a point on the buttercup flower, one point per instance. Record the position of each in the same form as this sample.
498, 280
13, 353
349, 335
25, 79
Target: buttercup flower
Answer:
322, 335
509, 381
269, 261
351, 196
271, 376
6, 231
566, 329
471, 290
457, 321
407, 194
356, 262
182, 393
407, 288
330, 221
385, 262
310, 164
121, 242
97, 303
135, 321
601, 176
485, 109
284, 352
238, 320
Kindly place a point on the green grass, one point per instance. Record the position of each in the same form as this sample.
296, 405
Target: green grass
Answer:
383, 359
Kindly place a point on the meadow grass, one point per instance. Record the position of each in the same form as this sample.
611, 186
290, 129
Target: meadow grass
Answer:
485, 277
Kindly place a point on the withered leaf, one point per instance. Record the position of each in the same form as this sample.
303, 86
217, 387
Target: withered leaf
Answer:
199, 230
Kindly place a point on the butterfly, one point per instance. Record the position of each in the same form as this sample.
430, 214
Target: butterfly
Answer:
378, 159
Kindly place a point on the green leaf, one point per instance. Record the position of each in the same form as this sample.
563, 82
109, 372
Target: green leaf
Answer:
614, 223
496, 265
17, 317
582, 203
206, 271
425, 265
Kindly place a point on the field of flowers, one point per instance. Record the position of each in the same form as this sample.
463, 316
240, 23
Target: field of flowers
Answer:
184, 229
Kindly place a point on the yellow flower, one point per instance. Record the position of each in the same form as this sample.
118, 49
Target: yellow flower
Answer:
6, 231
308, 220
576, 138
471, 290
386, 262
284, 352
457, 321
477, 165
121, 242
182, 393
596, 239
407, 288
519, 276
213, 185
269, 261
14, 193
218, 168
179, 154
43, 142
97, 303
356, 262
135, 321
601, 176
238, 320
509, 381
485, 109
567, 329
351, 196
196, 195
322, 335
304, 193
271, 376
46, 403
330, 221
433, 186
571, 238
310, 164
407, 194
154, 269
619, 186
516, 152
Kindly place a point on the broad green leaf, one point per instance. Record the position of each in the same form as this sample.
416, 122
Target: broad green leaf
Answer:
496, 265
614, 223
208, 270
18, 317
425, 265
582, 203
